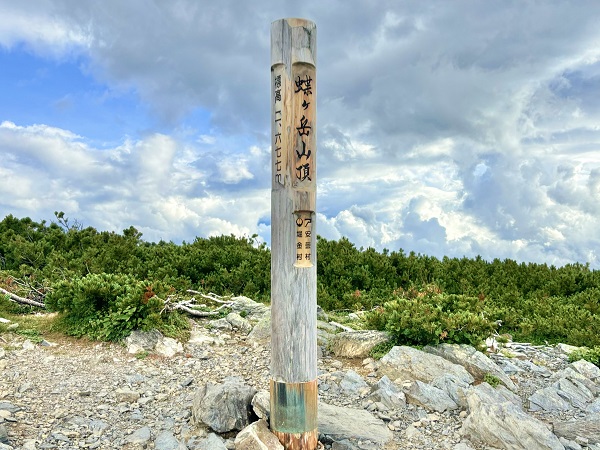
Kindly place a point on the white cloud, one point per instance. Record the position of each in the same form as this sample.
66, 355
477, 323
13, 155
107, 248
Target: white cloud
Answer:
454, 129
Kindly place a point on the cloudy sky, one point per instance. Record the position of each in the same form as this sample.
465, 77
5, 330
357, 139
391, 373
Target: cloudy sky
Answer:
469, 127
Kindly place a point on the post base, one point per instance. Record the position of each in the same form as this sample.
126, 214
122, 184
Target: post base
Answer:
298, 441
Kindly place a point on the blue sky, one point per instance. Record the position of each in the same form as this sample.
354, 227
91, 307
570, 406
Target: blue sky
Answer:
447, 128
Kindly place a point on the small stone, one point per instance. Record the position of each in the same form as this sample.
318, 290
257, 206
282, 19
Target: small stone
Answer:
127, 395
140, 436
28, 345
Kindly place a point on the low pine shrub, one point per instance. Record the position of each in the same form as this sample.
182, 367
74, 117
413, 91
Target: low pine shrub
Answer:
105, 306
589, 354
433, 318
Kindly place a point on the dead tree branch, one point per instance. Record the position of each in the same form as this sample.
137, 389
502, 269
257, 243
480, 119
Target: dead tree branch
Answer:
187, 306
25, 301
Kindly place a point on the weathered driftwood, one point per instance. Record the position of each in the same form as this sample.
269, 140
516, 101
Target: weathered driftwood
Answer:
210, 296
22, 300
187, 306
343, 327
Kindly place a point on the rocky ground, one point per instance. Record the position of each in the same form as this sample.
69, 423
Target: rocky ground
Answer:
73, 393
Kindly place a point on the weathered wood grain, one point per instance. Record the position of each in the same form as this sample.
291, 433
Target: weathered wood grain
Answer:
293, 223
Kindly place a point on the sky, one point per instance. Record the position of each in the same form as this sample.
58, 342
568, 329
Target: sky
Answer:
455, 129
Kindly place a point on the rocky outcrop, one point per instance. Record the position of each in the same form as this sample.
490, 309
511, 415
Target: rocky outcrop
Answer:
475, 362
502, 424
356, 344
81, 395
407, 363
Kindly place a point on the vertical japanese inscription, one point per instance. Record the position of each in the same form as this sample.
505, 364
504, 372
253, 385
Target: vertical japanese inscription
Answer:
278, 129
304, 175
304, 227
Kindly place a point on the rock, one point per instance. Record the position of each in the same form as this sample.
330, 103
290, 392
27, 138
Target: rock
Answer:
200, 339
3, 435
321, 314
548, 399
220, 324
594, 407
576, 377
476, 363
139, 341
566, 349
337, 423
352, 383
253, 310
388, 394
210, 442
140, 436
127, 395
2, 353
587, 369
239, 323
407, 363
168, 347
166, 441
262, 330
429, 397
508, 367
223, 407
257, 436
453, 386
462, 446
261, 404
28, 345
344, 445
505, 425
573, 429
561, 396
8, 406
356, 344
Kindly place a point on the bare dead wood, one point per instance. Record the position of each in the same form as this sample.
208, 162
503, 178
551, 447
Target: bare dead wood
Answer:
25, 301
210, 296
187, 306
343, 327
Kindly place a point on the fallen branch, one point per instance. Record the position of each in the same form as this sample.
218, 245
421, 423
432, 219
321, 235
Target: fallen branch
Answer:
25, 301
193, 312
210, 296
187, 306
343, 327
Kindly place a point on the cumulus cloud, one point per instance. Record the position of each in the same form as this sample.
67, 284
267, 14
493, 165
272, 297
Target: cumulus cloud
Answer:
451, 129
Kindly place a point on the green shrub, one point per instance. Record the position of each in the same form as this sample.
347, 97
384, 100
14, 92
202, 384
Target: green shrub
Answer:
589, 354
433, 318
380, 350
492, 380
105, 306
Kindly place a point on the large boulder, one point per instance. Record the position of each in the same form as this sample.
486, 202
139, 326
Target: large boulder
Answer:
504, 425
388, 394
249, 308
572, 429
139, 341
356, 344
224, 407
430, 397
337, 423
407, 363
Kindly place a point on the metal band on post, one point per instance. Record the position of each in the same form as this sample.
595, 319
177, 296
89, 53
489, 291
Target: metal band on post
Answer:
293, 236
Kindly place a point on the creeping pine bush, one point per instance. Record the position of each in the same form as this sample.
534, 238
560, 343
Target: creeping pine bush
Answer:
589, 354
433, 318
105, 306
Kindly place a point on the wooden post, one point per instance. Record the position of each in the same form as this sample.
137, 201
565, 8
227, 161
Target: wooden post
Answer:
293, 235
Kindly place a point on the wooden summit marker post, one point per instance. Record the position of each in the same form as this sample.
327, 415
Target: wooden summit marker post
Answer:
293, 238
